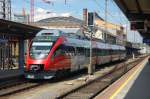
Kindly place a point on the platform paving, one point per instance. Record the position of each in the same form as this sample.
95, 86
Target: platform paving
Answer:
133, 85
141, 87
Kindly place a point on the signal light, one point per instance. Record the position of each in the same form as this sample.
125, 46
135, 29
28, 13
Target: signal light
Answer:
90, 19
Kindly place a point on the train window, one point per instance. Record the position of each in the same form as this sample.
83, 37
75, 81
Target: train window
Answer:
99, 52
116, 51
56, 53
102, 52
106, 52
113, 52
94, 51
87, 52
68, 50
59, 51
78, 51
82, 50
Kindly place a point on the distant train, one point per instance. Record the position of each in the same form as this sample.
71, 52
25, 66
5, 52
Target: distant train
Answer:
52, 52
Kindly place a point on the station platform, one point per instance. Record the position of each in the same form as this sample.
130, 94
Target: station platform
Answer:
135, 84
4, 74
141, 87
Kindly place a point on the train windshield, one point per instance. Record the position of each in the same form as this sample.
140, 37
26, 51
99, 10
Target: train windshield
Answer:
40, 50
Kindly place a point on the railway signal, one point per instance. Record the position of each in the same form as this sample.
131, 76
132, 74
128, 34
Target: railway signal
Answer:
91, 17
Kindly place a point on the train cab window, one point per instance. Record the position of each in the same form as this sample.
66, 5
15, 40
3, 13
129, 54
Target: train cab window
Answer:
40, 50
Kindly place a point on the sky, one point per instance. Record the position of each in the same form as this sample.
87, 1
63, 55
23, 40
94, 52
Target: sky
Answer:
75, 8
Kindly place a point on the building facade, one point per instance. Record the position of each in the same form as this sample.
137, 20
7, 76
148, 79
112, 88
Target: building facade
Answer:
114, 34
21, 18
5, 9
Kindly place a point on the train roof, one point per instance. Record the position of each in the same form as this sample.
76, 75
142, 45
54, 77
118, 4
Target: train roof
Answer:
78, 41
57, 32
50, 32
86, 44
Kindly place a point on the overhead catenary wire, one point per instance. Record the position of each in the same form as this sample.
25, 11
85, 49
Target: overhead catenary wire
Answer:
120, 12
103, 10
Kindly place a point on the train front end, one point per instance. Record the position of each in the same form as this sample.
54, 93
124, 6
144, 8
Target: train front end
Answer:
38, 61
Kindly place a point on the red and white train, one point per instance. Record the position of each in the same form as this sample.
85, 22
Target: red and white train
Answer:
53, 51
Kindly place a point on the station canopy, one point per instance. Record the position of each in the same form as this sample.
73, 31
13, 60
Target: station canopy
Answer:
17, 29
139, 11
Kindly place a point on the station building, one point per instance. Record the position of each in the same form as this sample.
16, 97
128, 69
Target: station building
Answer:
66, 24
115, 34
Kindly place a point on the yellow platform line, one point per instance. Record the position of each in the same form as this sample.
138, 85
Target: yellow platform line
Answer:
125, 83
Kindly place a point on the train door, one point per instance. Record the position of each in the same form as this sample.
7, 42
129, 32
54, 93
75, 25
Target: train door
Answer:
81, 57
74, 59
87, 57
61, 58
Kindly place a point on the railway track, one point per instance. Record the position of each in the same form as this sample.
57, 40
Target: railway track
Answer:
19, 88
94, 87
89, 90
9, 82
16, 84
19, 84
